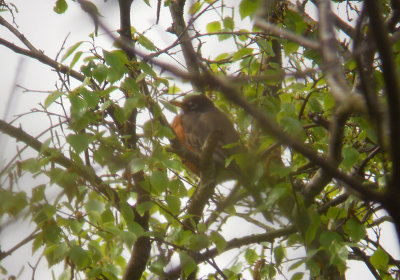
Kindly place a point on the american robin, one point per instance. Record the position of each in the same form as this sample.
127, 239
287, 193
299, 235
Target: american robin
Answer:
199, 118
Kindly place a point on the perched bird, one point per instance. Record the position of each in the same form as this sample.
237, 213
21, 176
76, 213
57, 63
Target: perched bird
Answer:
199, 118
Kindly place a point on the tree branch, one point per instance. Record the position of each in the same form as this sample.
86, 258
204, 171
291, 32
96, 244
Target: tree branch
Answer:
390, 76
56, 156
34, 53
232, 244
19, 245
179, 28
272, 29
207, 181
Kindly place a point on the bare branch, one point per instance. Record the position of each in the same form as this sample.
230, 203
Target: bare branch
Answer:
272, 29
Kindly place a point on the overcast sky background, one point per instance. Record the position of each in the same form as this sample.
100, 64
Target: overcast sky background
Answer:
46, 30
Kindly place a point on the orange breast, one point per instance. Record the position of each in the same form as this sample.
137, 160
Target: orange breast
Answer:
180, 133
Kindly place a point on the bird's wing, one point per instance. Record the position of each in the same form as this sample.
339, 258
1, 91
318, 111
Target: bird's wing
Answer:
198, 127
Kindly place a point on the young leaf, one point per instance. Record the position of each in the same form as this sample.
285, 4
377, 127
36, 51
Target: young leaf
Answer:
51, 98
354, 229
79, 142
218, 240
241, 53
159, 181
79, 256
213, 27
248, 7
379, 259
60, 7
70, 49
187, 263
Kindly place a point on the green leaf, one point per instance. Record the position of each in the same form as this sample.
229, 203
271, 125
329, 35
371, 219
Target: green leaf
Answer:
146, 68
79, 256
60, 7
95, 205
297, 276
251, 256
32, 165
79, 142
336, 213
92, 98
296, 264
338, 255
354, 229
218, 240
159, 181
130, 85
75, 59
248, 7
266, 46
78, 106
379, 259
52, 97
11, 202
328, 237
137, 164
213, 27
293, 126
71, 49
290, 47
279, 254
55, 253
187, 263
145, 42
195, 7
229, 24
241, 53
95, 250
51, 233
38, 193
174, 203
196, 242
313, 227
315, 105
116, 60
350, 157
100, 72
277, 193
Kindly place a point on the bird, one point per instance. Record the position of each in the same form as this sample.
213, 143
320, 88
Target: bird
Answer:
198, 119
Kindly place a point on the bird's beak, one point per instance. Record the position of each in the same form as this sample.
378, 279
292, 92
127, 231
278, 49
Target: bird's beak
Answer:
177, 103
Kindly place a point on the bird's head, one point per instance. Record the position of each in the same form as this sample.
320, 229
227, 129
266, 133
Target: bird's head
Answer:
194, 103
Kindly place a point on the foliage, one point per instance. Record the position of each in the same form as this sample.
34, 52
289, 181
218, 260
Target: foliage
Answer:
315, 108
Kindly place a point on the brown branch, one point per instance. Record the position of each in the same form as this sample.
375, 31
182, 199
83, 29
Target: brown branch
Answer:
141, 249
390, 76
272, 29
392, 89
232, 244
357, 251
19, 245
44, 59
56, 156
36, 54
179, 28
207, 182
332, 66
339, 22
322, 178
